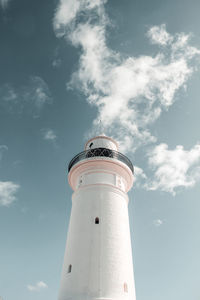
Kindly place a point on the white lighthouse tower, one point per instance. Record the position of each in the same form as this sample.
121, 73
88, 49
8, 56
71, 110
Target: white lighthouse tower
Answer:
98, 256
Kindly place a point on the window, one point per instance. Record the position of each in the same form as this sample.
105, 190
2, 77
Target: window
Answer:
125, 287
96, 220
69, 268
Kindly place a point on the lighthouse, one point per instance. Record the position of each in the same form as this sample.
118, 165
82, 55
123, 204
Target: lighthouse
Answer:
98, 256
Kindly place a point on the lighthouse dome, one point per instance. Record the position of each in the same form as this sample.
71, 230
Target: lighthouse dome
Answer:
101, 141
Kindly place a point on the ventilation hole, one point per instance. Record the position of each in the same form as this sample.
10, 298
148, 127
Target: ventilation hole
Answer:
69, 268
125, 287
96, 220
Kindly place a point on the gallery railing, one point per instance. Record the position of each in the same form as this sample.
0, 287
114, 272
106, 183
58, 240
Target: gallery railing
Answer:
100, 152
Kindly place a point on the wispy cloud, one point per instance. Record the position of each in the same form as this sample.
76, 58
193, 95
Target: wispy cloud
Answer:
49, 135
30, 98
2, 149
8, 192
159, 35
38, 93
174, 168
8, 189
157, 222
56, 62
130, 93
4, 4
139, 177
39, 286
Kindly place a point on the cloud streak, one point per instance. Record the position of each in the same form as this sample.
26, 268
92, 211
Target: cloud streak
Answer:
129, 93
4, 4
39, 286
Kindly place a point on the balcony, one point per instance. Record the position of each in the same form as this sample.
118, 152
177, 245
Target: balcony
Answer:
100, 152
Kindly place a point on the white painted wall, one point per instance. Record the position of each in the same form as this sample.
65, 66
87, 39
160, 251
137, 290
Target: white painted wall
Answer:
100, 254
101, 177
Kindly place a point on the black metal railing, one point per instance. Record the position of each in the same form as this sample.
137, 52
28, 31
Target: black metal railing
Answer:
102, 152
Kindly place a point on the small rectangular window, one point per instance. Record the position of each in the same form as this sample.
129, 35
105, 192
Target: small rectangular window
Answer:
69, 268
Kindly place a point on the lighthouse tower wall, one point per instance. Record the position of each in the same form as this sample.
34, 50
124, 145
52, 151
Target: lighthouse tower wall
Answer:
98, 257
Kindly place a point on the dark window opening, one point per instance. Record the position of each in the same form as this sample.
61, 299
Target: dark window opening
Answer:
69, 268
96, 220
90, 145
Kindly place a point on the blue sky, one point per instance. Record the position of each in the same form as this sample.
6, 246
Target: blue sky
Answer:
74, 69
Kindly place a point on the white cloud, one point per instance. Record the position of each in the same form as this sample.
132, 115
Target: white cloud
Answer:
8, 189
159, 35
37, 287
49, 135
174, 168
30, 98
4, 3
157, 222
65, 13
68, 10
129, 93
139, 176
8, 192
